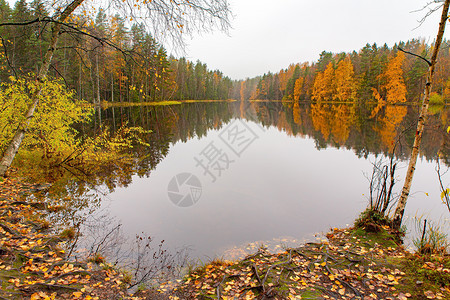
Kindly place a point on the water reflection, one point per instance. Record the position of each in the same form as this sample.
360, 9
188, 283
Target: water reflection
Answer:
279, 189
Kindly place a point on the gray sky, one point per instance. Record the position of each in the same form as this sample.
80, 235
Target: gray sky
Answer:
268, 35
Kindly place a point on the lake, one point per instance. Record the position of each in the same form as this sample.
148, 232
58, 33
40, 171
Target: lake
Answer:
221, 179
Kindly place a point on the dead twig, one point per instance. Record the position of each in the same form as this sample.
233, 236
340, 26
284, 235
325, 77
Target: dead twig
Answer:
255, 270
276, 265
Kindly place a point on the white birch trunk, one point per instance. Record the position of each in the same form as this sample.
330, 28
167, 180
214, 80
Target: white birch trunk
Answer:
14, 145
400, 210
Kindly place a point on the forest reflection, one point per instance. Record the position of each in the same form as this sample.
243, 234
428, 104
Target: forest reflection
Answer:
365, 130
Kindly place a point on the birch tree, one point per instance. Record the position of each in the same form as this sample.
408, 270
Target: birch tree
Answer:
167, 19
400, 209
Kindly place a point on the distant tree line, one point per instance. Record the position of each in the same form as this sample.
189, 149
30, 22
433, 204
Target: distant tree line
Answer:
372, 73
128, 65
118, 65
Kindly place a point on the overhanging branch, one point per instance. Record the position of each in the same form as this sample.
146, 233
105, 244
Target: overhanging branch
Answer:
413, 54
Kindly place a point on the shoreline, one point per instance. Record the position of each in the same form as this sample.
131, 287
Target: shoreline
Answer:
106, 104
351, 263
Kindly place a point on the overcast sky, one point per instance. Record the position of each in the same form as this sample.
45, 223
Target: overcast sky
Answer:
268, 35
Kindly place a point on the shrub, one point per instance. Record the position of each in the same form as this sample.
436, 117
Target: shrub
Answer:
51, 127
371, 221
436, 99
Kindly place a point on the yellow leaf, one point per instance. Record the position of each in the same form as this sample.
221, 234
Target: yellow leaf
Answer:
444, 194
342, 292
77, 294
35, 296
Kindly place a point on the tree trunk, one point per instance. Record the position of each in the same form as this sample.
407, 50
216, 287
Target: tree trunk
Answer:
94, 100
98, 79
14, 145
80, 87
112, 88
400, 210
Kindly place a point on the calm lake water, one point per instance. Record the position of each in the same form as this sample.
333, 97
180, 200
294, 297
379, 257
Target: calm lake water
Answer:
223, 178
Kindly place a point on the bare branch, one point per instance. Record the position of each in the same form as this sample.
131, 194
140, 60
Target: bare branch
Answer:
7, 58
430, 11
56, 70
37, 20
444, 191
413, 54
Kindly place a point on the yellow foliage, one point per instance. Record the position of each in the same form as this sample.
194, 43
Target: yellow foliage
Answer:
380, 103
298, 88
394, 83
323, 84
333, 119
388, 124
51, 139
50, 129
339, 84
297, 114
285, 75
447, 90
344, 81
107, 147
343, 118
322, 119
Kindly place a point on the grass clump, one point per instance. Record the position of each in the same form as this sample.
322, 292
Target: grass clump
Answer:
371, 220
68, 233
97, 259
201, 270
433, 240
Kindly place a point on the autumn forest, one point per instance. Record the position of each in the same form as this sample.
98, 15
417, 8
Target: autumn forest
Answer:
129, 170
368, 75
127, 65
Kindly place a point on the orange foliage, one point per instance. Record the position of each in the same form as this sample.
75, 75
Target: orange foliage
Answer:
333, 119
380, 105
447, 90
323, 84
296, 113
344, 81
387, 128
298, 88
283, 124
342, 119
321, 119
394, 83
284, 76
